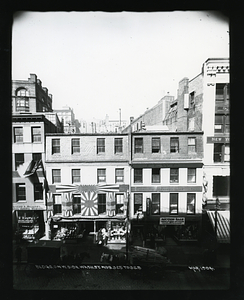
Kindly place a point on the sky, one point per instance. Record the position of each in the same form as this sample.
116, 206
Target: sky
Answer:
98, 62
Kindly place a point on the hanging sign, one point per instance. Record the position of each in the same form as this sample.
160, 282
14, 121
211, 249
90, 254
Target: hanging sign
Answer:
172, 221
214, 139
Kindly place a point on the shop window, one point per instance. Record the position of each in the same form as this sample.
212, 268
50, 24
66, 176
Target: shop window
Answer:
156, 175
138, 145
119, 203
101, 175
119, 175
57, 204
75, 175
191, 202
56, 175
191, 175
100, 145
36, 156
118, 145
101, 200
174, 145
221, 186
138, 176
173, 204
76, 204
36, 134
19, 159
155, 208
174, 175
75, 146
38, 191
20, 192
55, 146
155, 145
191, 145
18, 134
137, 203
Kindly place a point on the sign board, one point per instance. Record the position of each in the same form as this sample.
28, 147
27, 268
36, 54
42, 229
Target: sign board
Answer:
215, 139
172, 221
28, 207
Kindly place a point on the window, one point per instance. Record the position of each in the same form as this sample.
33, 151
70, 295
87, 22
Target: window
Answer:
57, 204
137, 175
76, 204
138, 145
36, 134
191, 145
174, 145
119, 203
173, 204
155, 145
56, 175
75, 175
38, 191
22, 92
156, 175
101, 175
221, 186
191, 200
155, 208
222, 124
118, 145
36, 156
174, 175
221, 152
75, 146
55, 146
19, 159
18, 134
100, 145
191, 175
119, 175
22, 100
226, 153
20, 192
192, 99
101, 199
137, 203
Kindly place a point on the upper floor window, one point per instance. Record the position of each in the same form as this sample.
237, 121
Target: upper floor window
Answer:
221, 186
138, 176
119, 175
173, 203
76, 203
137, 203
55, 146
100, 145
56, 175
19, 159
191, 202
38, 191
20, 192
174, 175
118, 145
36, 156
155, 208
222, 123
18, 134
191, 145
155, 145
75, 175
36, 134
22, 102
155, 175
191, 175
75, 145
221, 152
22, 93
138, 145
192, 99
119, 203
57, 204
174, 144
101, 175
101, 201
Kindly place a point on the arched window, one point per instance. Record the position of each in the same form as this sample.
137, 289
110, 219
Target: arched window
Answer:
22, 92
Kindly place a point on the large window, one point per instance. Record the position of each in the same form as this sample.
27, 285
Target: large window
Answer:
100, 145
18, 134
101, 175
191, 203
119, 175
55, 146
174, 175
56, 175
36, 134
191, 145
174, 145
221, 152
137, 203
20, 192
155, 208
191, 175
173, 204
57, 204
38, 191
138, 145
101, 199
155, 145
118, 145
19, 159
156, 175
138, 175
221, 186
222, 123
75, 145
75, 175
119, 203
22, 100
76, 204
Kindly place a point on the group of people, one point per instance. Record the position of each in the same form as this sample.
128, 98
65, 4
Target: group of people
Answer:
103, 236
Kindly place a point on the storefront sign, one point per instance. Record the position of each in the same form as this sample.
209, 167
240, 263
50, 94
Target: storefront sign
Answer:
172, 221
214, 139
27, 207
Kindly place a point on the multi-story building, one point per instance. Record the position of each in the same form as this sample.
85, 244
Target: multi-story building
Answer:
67, 117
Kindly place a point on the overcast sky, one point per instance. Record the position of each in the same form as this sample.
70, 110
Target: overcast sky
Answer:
98, 62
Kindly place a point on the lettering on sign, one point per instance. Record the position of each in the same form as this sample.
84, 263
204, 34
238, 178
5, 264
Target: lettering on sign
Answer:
172, 221
214, 139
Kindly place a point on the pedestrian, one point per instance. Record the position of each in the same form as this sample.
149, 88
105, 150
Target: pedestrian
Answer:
18, 253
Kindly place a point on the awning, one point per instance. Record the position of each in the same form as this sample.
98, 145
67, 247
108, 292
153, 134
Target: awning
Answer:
223, 225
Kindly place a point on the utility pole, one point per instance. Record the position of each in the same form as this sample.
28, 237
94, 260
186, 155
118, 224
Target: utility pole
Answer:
127, 225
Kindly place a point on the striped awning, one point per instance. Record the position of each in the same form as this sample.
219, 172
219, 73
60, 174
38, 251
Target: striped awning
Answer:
223, 225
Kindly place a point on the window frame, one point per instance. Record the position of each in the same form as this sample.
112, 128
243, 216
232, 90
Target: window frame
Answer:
119, 205
191, 145
75, 177
55, 147
155, 203
76, 206
138, 205
20, 187
103, 174
37, 153
172, 175
156, 148
172, 205
57, 207
75, 148
136, 176
101, 203
138, 148
56, 176
36, 135
37, 192
19, 162
100, 145
174, 148
221, 153
119, 175
118, 145
189, 176
188, 211
158, 175
18, 138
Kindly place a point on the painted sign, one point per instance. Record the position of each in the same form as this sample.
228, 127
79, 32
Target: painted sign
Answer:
172, 221
215, 139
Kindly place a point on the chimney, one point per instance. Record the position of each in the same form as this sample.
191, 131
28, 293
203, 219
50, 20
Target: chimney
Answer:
131, 119
32, 78
50, 96
45, 90
39, 82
